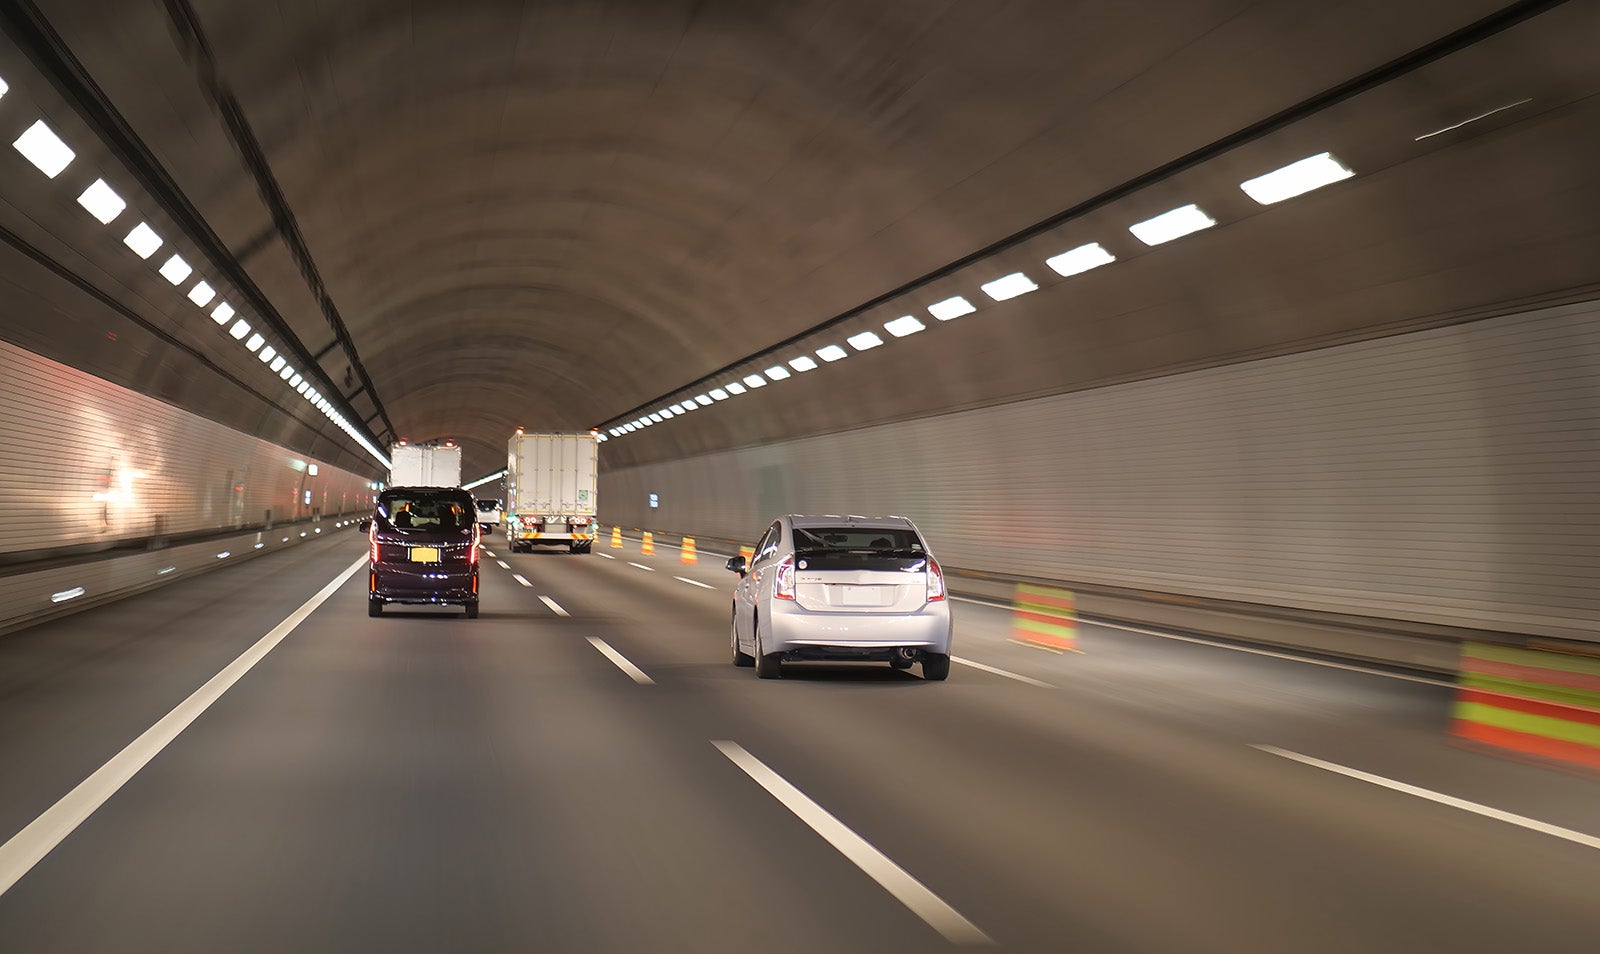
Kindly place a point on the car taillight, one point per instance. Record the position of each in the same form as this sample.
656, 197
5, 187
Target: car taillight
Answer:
783, 584
372, 540
580, 521
935, 581
472, 548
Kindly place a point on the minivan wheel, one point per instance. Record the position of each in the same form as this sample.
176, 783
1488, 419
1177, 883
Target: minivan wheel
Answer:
935, 667
768, 665
740, 657
374, 607
472, 610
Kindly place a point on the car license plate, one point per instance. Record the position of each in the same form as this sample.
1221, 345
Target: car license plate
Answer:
861, 596
424, 554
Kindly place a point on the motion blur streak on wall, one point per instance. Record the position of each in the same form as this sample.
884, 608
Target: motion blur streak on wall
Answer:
1443, 476
89, 462
1530, 701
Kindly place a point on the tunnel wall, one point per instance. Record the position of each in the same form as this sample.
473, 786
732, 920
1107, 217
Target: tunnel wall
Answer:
90, 464
1444, 477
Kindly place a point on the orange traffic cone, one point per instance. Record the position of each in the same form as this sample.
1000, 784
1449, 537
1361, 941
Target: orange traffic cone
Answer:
1045, 617
616, 538
688, 554
649, 543
749, 553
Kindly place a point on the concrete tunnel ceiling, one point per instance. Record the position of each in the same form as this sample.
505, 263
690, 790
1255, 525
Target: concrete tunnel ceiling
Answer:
550, 214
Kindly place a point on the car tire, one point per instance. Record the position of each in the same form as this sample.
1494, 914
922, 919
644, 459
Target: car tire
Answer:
472, 610
898, 661
768, 665
374, 607
935, 667
741, 658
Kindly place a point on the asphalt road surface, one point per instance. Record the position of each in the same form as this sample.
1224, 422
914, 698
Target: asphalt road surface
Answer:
246, 762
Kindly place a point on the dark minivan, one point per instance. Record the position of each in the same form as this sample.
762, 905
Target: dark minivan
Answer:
423, 548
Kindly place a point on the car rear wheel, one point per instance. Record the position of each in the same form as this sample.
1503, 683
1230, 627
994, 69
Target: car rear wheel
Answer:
374, 607
472, 610
768, 665
935, 667
740, 657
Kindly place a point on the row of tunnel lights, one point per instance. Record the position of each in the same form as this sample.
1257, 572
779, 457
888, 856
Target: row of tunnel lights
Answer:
40, 145
1292, 180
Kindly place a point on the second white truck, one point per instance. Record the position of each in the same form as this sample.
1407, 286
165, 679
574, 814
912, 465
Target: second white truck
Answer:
425, 465
550, 490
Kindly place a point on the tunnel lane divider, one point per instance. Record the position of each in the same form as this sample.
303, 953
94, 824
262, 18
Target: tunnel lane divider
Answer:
521, 579
607, 556
1216, 644
1510, 818
649, 569
503, 564
29, 846
1001, 672
487, 551
554, 606
703, 586
894, 879
620, 661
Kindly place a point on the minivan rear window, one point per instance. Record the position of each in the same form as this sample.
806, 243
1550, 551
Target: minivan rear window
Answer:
488, 506
424, 510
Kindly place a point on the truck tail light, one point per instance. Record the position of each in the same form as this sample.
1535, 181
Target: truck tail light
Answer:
783, 583
935, 581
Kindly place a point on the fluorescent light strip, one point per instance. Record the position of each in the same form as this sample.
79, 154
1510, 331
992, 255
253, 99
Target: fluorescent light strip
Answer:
803, 363
222, 313
202, 294
101, 202
42, 147
143, 240
755, 380
240, 329
904, 325
278, 363
865, 341
1177, 223
1009, 286
702, 400
1297, 178
268, 355
176, 270
717, 394
777, 372
255, 342
832, 353
1079, 260
953, 307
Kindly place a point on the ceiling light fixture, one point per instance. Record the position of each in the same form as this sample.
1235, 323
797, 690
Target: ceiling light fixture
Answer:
865, 341
777, 372
202, 294
143, 240
1297, 178
832, 353
1175, 224
1079, 260
904, 325
42, 147
953, 307
102, 203
1009, 286
176, 270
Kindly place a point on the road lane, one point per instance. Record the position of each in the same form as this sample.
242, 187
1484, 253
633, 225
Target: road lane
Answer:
421, 781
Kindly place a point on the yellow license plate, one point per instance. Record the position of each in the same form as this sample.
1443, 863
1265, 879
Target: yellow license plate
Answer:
424, 554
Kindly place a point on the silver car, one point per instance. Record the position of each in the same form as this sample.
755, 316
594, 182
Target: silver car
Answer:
842, 588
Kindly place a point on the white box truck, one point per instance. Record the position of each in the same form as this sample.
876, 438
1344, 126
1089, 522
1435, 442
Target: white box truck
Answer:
425, 465
550, 490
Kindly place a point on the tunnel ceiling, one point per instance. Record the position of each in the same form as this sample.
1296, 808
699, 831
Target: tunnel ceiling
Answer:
544, 214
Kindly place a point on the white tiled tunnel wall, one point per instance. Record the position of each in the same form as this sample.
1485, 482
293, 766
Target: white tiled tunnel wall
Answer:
88, 461
1443, 476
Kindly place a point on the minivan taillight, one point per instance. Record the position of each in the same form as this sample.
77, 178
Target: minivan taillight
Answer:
472, 548
372, 541
783, 583
935, 581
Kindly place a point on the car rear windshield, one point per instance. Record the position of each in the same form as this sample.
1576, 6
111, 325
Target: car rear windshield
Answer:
488, 506
426, 510
857, 546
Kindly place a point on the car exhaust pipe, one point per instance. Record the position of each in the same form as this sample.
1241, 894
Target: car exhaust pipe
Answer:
906, 653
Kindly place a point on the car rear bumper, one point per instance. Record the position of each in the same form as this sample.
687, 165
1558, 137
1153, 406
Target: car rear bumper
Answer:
423, 584
791, 629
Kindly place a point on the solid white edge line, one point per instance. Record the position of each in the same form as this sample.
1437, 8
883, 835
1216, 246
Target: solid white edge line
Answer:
554, 606
503, 564
642, 566
620, 661
703, 586
521, 579
30, 845
1001, 672
894, 879
1522, 821
1238, 649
